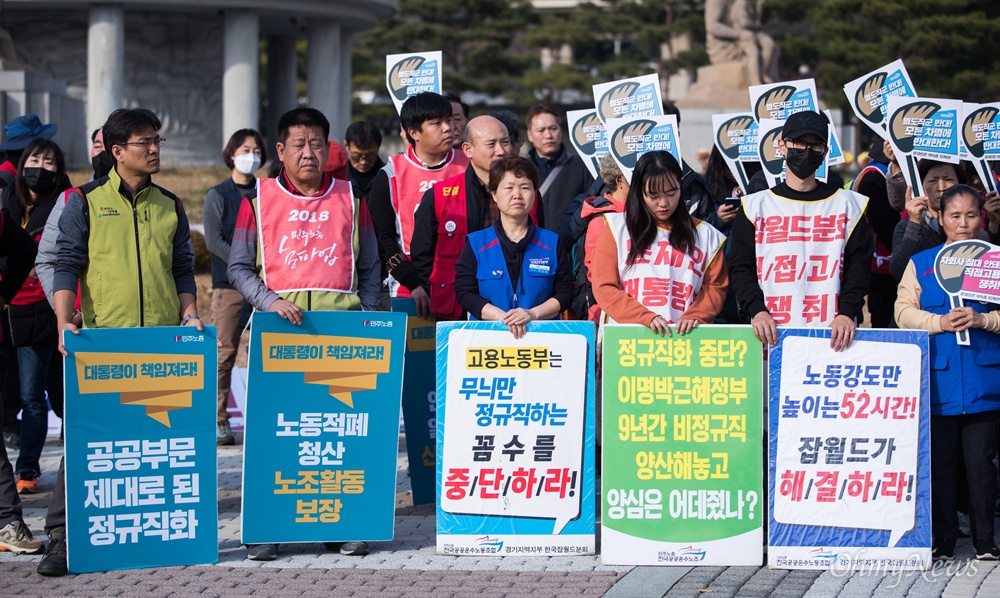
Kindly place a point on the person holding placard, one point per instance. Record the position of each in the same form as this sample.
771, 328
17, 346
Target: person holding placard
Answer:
426, 120
965, 399
654, 264
921, 229
513, 272
802, 250
300, 204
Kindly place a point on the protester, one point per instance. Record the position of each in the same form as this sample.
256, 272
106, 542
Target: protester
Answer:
243, 155
459, 118
451, 210
513, 272
614, 192
723, 185
563, 174
18, 249
882, 218
513, 124
120, 286
921, 229
701, 202
40, 179
401, 184
19, 132
818, 277
635, 276
362, 142
965, 399
349, 282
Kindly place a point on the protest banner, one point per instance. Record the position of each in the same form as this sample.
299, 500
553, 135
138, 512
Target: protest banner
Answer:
868, 93
140, 448
630, 138
736, 139
981, 277
950, 271
922, 128
419, 401
515, 439
629, 98
322, 427
849, 451
412, 73
778, 101
980, 139
588, 136
682, 479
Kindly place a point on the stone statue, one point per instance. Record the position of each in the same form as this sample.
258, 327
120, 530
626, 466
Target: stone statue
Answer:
733, 34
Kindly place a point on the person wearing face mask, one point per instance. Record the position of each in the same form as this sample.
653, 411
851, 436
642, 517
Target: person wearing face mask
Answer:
813, 242
243, 154
41, 177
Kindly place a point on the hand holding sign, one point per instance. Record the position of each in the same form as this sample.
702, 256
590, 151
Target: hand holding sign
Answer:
949, 268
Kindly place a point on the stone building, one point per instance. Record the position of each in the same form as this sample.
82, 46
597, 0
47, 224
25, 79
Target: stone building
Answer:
196, 63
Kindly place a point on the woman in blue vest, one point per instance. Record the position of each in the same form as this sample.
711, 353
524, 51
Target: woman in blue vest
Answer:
513, 272
243, 154
965, 397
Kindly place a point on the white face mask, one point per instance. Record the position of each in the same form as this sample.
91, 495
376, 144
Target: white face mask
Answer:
246, 163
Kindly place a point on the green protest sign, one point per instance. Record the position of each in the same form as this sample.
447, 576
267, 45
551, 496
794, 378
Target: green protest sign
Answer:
682, 447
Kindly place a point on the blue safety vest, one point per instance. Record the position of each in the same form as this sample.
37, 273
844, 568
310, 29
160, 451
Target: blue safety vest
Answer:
538, 270
963, 378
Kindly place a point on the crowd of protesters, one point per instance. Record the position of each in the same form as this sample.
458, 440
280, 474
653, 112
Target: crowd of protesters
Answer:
470, 229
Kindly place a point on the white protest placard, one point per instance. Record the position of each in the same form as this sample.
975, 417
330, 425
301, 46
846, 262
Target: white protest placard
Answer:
409, 74
778, 101
922, 128
979, 137
867, 94
736, 139
515, 439
836, 154
849, 452
629, 98
630, 138
588, 136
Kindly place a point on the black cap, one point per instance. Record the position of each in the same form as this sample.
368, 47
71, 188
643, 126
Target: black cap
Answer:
803, 123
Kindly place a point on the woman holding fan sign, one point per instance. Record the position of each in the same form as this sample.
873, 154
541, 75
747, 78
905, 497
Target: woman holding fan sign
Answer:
965, 399
655, 265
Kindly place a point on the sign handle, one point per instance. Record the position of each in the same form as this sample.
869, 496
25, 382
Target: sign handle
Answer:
963, 336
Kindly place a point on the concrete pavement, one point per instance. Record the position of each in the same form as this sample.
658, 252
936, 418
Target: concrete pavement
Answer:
409, 566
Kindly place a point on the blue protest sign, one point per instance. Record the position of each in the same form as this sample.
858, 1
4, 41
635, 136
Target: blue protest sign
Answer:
515, 439
419, 402
140, 448
322, 425
849, 451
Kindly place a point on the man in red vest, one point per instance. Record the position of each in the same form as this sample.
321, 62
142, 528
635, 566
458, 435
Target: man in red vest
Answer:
399, 187
451, 210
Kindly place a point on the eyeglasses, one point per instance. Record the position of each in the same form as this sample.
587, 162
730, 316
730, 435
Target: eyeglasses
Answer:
816, 148
147, 143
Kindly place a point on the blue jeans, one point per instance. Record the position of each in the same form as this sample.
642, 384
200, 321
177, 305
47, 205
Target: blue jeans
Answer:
33, 367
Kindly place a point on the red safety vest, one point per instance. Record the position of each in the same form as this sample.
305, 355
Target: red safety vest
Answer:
408, 180
452, 229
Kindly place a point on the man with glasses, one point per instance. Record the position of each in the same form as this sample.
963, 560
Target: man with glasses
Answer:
125, 243
362, 141
802, 250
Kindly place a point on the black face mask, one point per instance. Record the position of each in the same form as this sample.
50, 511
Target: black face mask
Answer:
38, 179
802, 162
102, 164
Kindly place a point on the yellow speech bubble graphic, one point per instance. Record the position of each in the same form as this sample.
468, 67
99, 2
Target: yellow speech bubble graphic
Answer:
159, 382
345, 364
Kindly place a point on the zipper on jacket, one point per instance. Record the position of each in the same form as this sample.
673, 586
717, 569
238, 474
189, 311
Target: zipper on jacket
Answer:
138, 262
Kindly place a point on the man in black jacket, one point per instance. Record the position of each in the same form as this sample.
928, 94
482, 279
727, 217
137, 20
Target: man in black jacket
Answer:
801, 251
563, 175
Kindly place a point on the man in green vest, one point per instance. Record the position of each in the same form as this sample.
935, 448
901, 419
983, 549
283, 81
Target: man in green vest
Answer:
127, 244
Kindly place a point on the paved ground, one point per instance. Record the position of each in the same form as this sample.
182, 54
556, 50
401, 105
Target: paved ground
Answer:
408, 566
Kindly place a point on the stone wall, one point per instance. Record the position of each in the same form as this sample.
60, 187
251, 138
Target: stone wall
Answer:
173, 66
